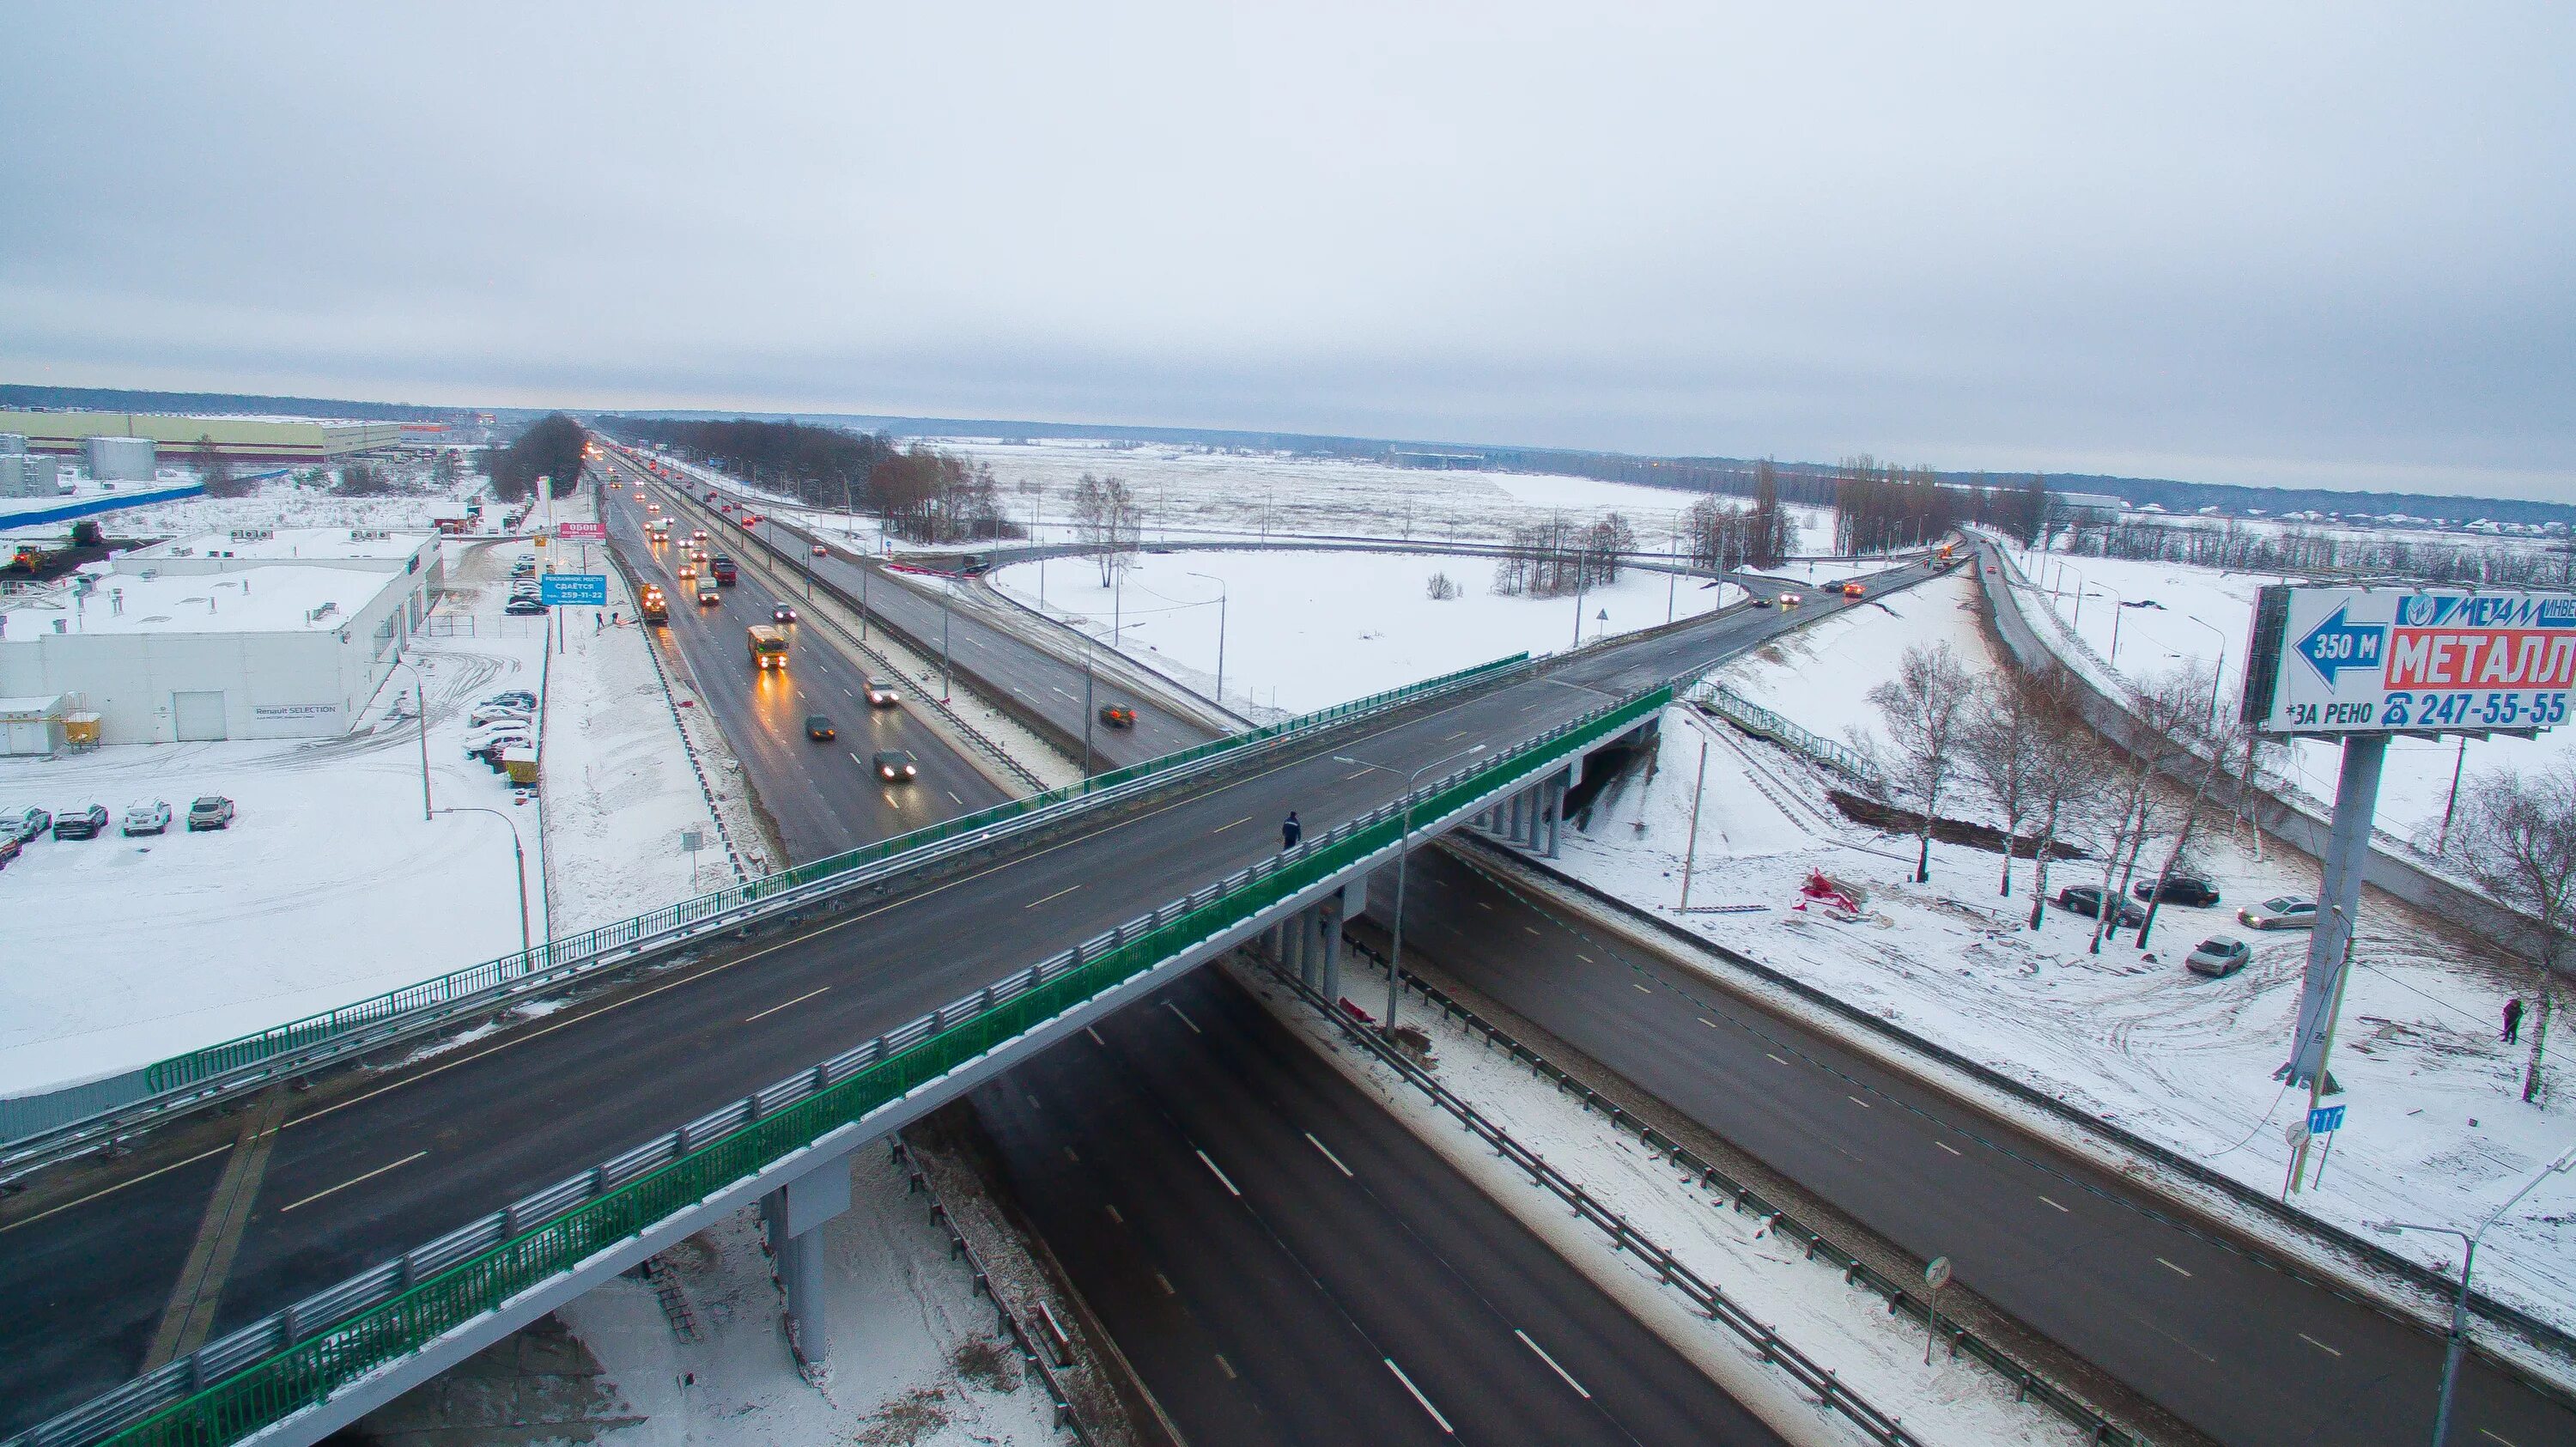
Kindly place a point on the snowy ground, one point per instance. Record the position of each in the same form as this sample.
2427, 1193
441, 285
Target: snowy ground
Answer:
2194, 611
1843, 1328
283, 503
1304, 630
2438, 1127
916, 1358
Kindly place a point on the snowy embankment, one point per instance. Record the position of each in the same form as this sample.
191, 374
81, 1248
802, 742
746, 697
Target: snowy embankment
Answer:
2173, 617
2437, 1125
1303, 630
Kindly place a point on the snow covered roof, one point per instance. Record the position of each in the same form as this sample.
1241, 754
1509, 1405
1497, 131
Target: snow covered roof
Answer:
285, 543
276, 599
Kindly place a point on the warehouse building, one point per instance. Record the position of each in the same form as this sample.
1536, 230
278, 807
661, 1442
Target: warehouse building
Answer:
256, 635
247, 439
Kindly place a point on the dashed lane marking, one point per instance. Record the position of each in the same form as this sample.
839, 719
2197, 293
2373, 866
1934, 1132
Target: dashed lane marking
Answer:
1220, 1175
1328, 1153
1856, 1100
783, 1004
1059, 894
1774, 1059
2320, 1346
1954, 1150
1221, 828
1445, 1428
2169, 1266
353, 1180
1186, 1020
2053, 1203
1551, 1364
1640, 989
1225, 1366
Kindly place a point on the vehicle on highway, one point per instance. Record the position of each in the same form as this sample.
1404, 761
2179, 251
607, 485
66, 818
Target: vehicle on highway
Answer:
1791, 600
523, 606
654, 607
1761, 600
898, 766
698, 556
749, 521
83, 823
819, 727
2184, 889
697, 535
653, 509
25, 825
821, 551
2086, 899
708, 593
723, 568
1118, 716
211, 812
1853, 590
882, 693
768, 646
2217, 957
688, 571
782, 614
151, 816
2290, 911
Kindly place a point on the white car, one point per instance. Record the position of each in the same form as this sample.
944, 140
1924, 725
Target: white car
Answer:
497, 714
2290, 911
151, 817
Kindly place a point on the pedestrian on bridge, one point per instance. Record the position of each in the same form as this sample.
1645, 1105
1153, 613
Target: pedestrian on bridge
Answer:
1292, 831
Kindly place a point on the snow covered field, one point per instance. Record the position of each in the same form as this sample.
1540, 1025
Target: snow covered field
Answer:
2437, 1124
916, 1359
2198, 611
1308, 629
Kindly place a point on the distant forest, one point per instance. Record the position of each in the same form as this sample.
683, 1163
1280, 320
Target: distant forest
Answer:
921, 493
107, 399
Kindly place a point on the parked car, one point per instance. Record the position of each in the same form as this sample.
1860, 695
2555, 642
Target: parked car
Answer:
522, 607
2185, 889
518, 698
497, 713
10, 849
2290, 911
25, 825
1118, 716
523, 565
819, 728
882, 693
152, 816
2217, 957
86, 823
782, 614
488, 746
211, 812
2085, 899
898, 766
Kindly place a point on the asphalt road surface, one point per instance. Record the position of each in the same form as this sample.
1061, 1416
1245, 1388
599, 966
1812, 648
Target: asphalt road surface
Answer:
825, 795
367, 1165
1049, 686
2241, 1350
1270, 1248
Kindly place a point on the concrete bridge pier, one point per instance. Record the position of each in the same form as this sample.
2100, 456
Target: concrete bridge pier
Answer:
794, 1214
1533, 820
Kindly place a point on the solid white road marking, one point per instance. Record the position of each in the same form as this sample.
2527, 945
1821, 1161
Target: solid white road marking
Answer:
1186, 1020
783, 1004
1445, 1428
2169, 1266
1328, 1153
1220, 1175
1551, 1364
353, 1180
1059, 894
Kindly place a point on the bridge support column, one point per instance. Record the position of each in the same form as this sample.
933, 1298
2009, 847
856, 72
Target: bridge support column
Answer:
1555, 824
795, 1214
1341, 908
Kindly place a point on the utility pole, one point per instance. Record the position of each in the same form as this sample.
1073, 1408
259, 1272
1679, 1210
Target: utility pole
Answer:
2458, 761
1086, 714
1690, 851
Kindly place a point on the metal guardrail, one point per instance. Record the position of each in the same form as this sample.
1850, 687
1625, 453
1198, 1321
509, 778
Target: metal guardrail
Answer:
1711, 1301
1059, 1401
297, 1358
1761, 722
183, 1081
1745, 1201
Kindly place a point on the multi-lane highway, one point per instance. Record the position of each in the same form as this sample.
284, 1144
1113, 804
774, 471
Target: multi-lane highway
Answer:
825, 795
1271, 1248
2237, 1348
365, 1165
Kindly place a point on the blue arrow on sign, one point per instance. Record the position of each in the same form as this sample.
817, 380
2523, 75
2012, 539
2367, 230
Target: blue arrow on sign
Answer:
2325, 1119
2335, 645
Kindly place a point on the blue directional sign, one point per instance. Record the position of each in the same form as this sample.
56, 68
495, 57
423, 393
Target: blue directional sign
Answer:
574, 590
2324, 1119
2335, 645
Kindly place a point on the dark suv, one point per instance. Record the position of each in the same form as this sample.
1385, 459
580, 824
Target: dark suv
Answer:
86, 823
2183, 889
25, 825
2086, 900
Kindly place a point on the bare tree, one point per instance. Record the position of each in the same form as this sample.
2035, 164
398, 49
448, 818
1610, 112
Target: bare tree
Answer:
2213, 740
2000, 747
2517, 838
1109, 521
1926, 710
2067, 769
2167, 708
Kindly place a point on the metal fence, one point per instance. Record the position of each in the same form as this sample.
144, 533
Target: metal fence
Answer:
299, 1357
1761, 722
26, 1116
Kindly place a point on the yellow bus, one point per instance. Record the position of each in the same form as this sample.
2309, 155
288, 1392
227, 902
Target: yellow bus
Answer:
768, 646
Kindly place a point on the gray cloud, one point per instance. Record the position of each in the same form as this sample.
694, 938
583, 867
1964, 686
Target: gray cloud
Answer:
2314, 244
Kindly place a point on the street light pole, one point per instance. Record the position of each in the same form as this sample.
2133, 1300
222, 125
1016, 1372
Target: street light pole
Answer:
1086, 711
2468, 1263
1403, 854
518, 855
420, 701
2218, 675
1220, 634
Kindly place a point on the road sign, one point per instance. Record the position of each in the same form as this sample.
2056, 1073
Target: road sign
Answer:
2295, 1134
2325, 1120
2409, 660
1937, 1275
578, 590
582, 532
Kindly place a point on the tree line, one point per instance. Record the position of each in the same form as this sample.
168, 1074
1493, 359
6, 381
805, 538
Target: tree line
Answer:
2299, 551
920, 493
1552, 558
1880, 508
554, 447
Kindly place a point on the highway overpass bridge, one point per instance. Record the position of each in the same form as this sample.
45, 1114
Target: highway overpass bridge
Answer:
331, 1270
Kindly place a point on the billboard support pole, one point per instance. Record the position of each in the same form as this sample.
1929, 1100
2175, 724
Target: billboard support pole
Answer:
2347, 855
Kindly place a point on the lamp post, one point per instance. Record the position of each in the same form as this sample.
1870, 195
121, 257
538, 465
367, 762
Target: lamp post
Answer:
2468, 1262
1403, 853
420, 701
2118, 607
518, 855
1086, 711
1220, 634
2218, 675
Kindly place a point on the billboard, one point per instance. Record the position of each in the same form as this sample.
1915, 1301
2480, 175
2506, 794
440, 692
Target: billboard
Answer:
582, 532
2409, 660
579, 590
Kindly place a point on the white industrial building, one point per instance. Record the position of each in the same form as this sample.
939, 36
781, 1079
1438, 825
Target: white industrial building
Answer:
283, 634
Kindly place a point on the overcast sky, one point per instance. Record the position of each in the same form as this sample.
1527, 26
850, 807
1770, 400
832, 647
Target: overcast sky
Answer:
2320, 244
